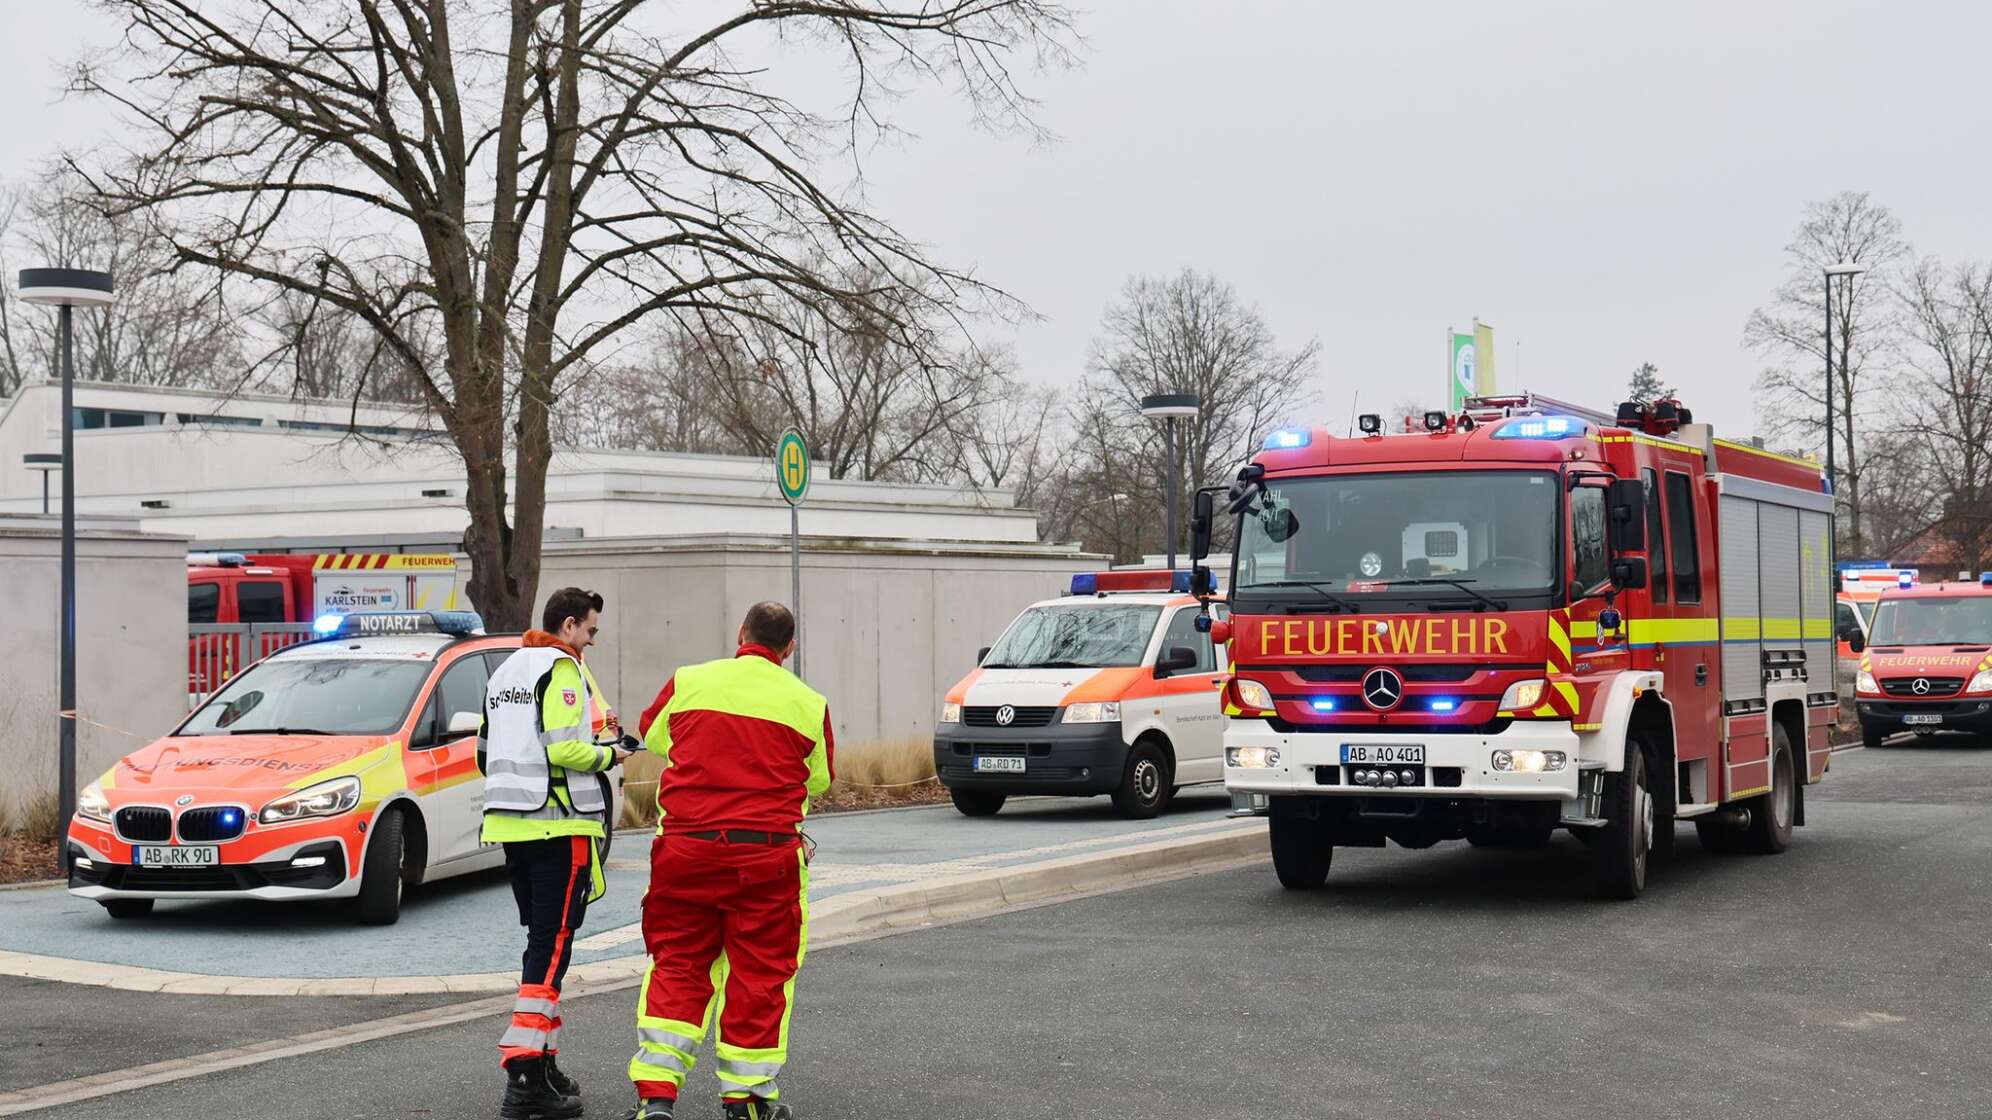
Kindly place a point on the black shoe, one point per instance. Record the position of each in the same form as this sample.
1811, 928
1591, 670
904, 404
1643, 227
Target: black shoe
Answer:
528, 1095
654, 1108
758, 1109
562, 1084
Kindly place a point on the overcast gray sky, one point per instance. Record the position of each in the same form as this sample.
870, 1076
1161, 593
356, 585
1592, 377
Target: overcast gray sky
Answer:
1608, 184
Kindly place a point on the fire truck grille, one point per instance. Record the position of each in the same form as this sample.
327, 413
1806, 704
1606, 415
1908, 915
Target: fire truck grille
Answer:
985, 716
1935, 686
145, 824
1430, 674
210, 824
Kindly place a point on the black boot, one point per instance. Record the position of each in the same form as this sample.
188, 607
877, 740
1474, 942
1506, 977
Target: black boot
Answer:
562, 1084
758, 1109
528, 1095
651, 1108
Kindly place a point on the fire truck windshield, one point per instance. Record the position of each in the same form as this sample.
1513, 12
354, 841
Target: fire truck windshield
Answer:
1351, 534
1952, 620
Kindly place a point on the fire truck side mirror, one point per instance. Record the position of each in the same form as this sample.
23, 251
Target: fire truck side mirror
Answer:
1627, 502
1200, 523
1629, 572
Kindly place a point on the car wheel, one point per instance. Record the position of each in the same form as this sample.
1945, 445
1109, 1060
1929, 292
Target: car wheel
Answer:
1627, 838
978, 802
1302, 852
381, 872
1771, 813
1144, 788
123, 908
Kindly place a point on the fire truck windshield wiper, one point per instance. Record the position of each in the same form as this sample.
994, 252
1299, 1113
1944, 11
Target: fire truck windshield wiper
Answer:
1334, 600
1459, 583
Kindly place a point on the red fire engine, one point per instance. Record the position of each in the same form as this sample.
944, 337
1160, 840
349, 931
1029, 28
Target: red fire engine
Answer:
1519, 620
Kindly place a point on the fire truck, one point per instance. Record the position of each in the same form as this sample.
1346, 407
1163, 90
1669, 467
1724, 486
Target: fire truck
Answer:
1520, 620
1929, 668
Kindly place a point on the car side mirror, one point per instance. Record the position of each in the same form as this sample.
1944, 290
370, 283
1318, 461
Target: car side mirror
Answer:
1175, 659
1856, 643
1200, 522
1629, 571
465, 723
1627, 502
982, 655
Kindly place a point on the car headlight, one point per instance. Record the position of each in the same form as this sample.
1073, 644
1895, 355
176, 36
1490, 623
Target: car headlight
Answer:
326, 799
92, 805
1980, 682
950, 712
1864, 682
1522, 696
1099, 711
1253, 694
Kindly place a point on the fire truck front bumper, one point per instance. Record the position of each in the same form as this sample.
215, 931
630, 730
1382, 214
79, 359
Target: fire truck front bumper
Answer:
1527, 760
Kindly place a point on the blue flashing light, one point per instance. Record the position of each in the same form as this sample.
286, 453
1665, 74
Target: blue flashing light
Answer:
1905, 579
1085, 583
1985, 578
1287, 439
328, 624
459, 623
1540, 427
1322, 704
231, 817
1179, 582
1444, 705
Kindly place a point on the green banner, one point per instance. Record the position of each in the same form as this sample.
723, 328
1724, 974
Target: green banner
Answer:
1463, 374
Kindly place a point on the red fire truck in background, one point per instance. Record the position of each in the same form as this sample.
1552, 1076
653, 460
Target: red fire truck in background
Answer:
1520, 620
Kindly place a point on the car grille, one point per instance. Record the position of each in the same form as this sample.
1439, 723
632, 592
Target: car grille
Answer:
985, 716
210, 824
189, 879
147, 824
1906, 686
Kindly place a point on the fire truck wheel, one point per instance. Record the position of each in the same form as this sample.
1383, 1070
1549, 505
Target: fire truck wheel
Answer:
122, 908
379, 902
1626, 840
977, 802
1144, 789
1771, 813
1302, 852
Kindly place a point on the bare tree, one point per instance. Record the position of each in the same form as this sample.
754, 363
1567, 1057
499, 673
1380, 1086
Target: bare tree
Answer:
1014, 442
651, 403
1945, 407
523, 188
1791, 332
1102, 492
1190, 333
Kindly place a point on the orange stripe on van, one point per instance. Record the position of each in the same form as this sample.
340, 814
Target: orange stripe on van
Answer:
1105, 684
959, 692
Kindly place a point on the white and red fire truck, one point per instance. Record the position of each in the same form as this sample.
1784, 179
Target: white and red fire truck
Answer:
1520, 620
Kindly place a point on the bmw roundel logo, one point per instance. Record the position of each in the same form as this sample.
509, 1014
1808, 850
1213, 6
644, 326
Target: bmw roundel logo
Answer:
1383, 689
184, 800
1005, 716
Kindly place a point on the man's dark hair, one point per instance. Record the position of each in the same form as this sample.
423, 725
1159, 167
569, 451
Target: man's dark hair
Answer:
770, 625
566, 603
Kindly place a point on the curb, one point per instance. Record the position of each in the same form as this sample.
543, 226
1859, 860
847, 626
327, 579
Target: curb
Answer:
835, 920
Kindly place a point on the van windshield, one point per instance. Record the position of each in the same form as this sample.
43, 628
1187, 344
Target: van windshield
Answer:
1951, 621
1089, 636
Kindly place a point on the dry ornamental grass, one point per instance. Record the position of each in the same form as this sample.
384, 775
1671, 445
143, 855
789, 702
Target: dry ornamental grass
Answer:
869, 776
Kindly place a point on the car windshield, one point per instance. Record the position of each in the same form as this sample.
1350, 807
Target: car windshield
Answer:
331, 695
1079, 637
1951, 621
1495, 531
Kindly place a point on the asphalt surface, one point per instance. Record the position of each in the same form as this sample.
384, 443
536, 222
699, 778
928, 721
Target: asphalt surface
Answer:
1849, 977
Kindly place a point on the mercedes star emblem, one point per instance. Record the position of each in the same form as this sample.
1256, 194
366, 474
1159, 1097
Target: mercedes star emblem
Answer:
1382, 689
1005, 716
1920, 686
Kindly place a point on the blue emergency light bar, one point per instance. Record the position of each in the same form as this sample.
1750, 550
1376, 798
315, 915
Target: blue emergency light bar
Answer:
1092, 583
1287, 439
368, 624
1985, 578
1541, 427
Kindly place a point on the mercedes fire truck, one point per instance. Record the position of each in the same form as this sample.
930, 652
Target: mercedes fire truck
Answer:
1520, 620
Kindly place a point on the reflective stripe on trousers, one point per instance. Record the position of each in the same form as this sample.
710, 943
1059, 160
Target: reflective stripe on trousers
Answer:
535, 1026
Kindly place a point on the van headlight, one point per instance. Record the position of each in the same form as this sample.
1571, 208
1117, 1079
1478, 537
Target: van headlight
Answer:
1523, 696
1980, 682
950, 712
326, 799
1099, 711
1864, 682
92, 805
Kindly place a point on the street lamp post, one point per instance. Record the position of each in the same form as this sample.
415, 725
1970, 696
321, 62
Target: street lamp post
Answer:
43, 461
1849, 269
68, 289
1167, 407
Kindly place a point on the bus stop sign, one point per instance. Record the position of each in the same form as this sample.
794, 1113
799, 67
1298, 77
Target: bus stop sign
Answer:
792, 467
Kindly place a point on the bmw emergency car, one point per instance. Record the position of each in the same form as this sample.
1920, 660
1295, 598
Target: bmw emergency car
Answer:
1111, 689
344, 767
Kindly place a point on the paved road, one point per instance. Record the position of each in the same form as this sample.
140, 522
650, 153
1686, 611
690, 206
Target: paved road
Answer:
1850, 977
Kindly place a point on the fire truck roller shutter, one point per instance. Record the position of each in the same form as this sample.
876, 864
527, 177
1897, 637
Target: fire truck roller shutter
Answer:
1742, 600
1816, 583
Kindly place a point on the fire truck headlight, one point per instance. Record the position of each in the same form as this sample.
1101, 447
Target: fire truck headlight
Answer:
1252, 694
1522, 695
1529, 762
92, 805
1980, 682
326, 799
1252, 758
1104, 711
1864, 682
950, 712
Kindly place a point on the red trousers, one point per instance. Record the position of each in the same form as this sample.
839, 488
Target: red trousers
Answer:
726, 926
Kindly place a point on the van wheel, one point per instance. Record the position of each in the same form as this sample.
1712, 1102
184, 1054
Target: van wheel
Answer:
977, 802
1627, 838
1144, 789
1771, 813
1302, 852
123, 908
1872, 737
379, 903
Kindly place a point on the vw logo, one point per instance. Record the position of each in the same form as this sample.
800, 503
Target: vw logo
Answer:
1920, 686
1382, 689
185, 800
1371, 565
1005, 716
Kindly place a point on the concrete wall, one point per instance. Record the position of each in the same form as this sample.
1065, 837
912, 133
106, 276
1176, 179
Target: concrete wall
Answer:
886, 628
131, 664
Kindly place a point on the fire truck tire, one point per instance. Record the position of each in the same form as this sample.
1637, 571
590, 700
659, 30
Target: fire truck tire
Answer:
1144, 789
1302, 852
1771, 813
977, 802
379, 901
1625, 842
122, 908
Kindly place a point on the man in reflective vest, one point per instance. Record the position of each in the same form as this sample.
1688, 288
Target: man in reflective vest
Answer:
745, 746
546, 800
